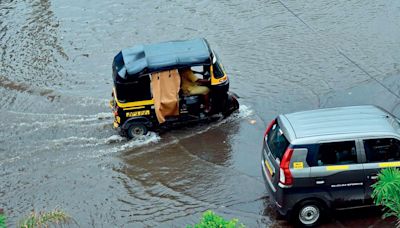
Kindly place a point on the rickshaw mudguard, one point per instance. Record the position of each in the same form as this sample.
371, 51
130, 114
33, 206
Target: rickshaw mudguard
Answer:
232, 104
139, 119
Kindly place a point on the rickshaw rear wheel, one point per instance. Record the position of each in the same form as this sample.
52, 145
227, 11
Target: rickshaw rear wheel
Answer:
136, 129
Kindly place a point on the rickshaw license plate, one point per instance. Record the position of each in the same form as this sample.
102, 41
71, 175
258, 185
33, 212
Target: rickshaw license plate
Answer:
138, 113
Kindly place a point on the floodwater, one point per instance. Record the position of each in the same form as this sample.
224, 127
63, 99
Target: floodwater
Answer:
57, 145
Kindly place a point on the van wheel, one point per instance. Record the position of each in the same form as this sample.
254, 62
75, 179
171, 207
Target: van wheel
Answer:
135, 130
309, 213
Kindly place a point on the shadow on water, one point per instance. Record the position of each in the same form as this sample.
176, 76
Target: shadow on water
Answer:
184, 177
189, 171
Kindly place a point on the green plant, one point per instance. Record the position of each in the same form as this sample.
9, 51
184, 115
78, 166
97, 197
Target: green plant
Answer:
387, 192
43, 219
211, 220
2, 220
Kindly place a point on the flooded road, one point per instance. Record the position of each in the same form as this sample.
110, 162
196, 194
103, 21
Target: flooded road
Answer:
57, 145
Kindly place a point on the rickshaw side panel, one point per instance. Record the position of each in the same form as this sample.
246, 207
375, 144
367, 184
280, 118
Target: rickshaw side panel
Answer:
137, 90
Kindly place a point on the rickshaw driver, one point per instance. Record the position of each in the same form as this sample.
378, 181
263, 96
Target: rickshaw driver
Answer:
191, 85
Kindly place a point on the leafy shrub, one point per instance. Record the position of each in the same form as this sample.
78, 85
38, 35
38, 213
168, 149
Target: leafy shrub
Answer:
211, 220
2, 220
387, 192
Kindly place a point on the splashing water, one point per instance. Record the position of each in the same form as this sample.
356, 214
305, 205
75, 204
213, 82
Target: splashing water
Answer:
123, 143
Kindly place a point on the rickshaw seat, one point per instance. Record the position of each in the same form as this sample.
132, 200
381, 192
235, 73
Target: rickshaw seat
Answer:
191, 98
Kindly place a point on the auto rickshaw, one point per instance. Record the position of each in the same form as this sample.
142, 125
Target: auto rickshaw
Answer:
148, 80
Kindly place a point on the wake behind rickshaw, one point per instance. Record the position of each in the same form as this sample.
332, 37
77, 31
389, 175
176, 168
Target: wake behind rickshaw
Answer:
167, 84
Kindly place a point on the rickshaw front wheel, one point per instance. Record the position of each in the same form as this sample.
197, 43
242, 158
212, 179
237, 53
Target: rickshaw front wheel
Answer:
136, 130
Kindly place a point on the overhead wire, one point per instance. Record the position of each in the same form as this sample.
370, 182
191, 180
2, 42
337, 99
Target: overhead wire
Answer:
339, 51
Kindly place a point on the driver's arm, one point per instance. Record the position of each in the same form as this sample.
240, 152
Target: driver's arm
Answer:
204, 82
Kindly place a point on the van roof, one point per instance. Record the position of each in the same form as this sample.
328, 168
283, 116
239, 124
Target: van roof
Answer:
329, 123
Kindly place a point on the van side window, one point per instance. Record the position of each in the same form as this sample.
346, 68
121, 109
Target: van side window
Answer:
337, 153
382, 150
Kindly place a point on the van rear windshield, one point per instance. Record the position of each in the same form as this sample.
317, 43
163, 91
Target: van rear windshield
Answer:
276, 141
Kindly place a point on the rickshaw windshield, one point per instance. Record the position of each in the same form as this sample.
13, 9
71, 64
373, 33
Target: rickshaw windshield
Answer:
118, 62
218, 70
118, 65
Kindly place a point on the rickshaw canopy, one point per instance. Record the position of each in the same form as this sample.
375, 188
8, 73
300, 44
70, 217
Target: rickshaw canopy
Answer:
149, 58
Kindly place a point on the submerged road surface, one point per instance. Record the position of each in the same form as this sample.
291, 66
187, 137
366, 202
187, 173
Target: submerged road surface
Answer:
57, 145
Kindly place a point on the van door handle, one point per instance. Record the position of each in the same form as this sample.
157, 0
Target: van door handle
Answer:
320, 182
374, 177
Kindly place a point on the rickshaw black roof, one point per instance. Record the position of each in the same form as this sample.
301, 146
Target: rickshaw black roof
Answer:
144, 59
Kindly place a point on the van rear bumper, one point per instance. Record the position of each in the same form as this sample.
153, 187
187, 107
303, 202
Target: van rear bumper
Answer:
274, 192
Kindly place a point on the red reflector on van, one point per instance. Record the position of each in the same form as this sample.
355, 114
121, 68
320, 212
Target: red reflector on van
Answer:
285, 177
269, 127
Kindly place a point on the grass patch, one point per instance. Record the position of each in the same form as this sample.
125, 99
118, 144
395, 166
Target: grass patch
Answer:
44, 219
211, 220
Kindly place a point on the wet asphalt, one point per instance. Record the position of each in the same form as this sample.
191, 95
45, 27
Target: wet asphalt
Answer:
57, 145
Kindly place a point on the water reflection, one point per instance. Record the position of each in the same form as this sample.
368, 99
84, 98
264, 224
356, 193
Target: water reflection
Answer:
188, 176
271, 212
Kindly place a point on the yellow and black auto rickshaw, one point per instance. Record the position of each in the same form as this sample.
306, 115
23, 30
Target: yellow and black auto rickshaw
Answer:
158, 86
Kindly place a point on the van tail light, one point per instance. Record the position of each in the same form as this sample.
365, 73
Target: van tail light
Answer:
285, 176
269, 127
